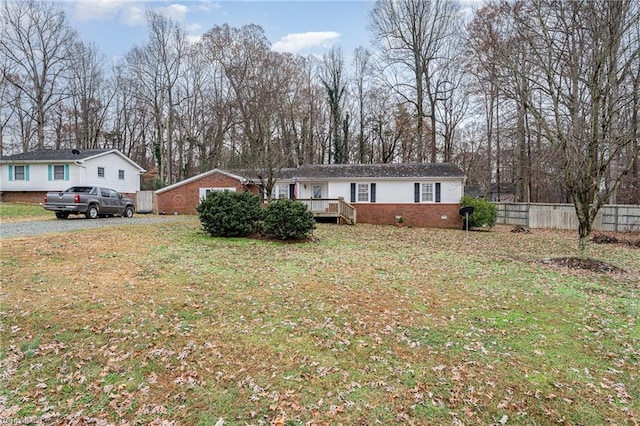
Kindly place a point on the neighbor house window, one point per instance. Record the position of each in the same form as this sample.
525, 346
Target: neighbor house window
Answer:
101, 172
426, 193
19, 173
58, 172
121, 174
363, 192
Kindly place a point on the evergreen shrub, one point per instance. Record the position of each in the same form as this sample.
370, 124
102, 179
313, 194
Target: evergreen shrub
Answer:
485, 213
230, 214
288, 220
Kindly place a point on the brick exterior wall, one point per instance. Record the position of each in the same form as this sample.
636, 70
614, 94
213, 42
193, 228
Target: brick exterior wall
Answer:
183, 199
437, 215
33, 197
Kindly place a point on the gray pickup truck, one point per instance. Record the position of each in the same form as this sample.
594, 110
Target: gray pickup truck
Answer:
91, 201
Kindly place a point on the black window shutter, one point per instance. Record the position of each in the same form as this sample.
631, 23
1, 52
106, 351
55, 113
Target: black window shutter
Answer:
353, 192
416, 192
373, 192
437, 192
292, 191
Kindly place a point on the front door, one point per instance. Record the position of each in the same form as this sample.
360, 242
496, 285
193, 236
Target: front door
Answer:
317, 206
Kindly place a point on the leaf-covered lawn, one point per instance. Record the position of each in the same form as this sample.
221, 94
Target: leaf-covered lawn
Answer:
161, 324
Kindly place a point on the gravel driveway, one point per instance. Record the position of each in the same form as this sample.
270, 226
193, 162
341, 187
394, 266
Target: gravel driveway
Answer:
24, 229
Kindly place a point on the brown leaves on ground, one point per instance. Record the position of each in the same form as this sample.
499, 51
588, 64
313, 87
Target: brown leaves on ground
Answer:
583, 263
160, 324
630, 239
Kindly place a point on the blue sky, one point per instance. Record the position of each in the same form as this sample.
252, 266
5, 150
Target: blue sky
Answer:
302, 26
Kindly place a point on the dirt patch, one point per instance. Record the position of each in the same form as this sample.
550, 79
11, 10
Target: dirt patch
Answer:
520, 230
583, 263
628, 239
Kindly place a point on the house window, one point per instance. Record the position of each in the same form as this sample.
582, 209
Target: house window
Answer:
58, 172
121, 174
281, 191
19, 173
204, 192
426, 192
363, 192
101, 172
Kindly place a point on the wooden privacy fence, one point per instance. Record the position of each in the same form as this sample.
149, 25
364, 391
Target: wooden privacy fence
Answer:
144, 201
613, 218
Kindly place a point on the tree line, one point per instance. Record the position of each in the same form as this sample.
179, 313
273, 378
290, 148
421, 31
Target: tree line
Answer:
538, 94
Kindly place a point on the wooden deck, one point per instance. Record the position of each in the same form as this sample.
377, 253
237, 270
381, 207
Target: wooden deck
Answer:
336, 208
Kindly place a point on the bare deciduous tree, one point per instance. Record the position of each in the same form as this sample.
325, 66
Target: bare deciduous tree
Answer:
411, 36
35, 39
582, 54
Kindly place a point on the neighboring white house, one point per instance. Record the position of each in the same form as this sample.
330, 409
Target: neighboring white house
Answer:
26, 177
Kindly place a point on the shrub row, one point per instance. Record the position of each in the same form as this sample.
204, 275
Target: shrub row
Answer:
239, 214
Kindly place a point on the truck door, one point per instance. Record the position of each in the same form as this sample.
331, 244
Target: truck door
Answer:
118, 203
106, 203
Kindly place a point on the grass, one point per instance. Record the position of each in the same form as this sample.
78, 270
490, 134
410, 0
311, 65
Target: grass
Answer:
12, 212
367, 324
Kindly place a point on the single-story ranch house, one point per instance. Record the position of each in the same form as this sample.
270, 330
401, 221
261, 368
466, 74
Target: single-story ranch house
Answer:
424, 195
27, 177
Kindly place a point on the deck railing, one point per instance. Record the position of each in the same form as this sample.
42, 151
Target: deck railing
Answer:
331, 207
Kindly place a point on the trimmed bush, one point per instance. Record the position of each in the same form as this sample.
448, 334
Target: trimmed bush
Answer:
288, 220
229, 214
485, 213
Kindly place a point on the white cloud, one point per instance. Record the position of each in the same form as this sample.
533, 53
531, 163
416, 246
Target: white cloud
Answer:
297, 42
128, 12
132, 16
193, 39
208, 5
86, 10
177, 12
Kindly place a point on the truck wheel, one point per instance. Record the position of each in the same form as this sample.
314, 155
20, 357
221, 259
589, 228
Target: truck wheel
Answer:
128, 211
61, 215
92, 212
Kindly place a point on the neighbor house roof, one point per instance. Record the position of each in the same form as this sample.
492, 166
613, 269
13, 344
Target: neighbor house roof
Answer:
63, 155
355, 171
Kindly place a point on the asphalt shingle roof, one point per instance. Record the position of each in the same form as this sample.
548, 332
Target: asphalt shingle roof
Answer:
391, 170
54, 155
